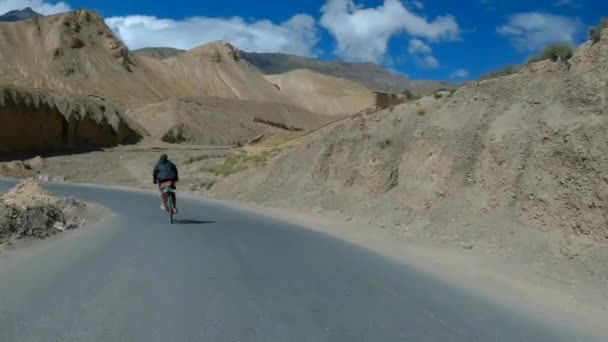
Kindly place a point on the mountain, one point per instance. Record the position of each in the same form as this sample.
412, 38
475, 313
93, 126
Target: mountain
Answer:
76, 55
158, 52
18, 15
369, 74
323, 94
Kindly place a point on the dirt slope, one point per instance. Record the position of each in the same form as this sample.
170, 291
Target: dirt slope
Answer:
527, 149
38, 121
219, 121
323, 94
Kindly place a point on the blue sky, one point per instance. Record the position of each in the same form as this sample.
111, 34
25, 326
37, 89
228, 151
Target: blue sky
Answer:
424, 39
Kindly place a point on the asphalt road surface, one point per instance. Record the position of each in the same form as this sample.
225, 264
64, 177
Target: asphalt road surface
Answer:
227, 275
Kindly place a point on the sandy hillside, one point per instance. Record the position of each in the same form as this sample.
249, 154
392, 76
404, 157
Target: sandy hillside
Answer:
526, 150
39, 121
216, 69
219, 121
323, 94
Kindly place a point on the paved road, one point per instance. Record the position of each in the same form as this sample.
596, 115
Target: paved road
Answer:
230, 276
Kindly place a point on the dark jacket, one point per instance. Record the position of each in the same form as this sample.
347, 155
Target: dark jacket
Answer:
165, 170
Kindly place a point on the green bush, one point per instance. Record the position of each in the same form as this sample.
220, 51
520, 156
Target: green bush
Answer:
208, 184
232, 164
508, 70
235, 163
554, 52
595, 34
410, 95
421, 111
437, 94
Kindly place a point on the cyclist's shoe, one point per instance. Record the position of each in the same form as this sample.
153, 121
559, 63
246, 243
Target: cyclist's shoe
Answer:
162, 207
175, 210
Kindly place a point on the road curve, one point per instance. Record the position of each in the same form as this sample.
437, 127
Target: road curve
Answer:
226, 275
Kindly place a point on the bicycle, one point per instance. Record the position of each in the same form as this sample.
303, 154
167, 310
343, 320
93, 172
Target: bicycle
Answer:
169, 194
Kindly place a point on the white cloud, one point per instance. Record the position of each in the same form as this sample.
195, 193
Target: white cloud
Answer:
417, 46
571, 3
39, 6
298, 35
459, 73
429, 62
418, 4
532, 31
422, 54
362, 34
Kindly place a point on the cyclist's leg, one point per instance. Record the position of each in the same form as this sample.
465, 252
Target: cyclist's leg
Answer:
162, 198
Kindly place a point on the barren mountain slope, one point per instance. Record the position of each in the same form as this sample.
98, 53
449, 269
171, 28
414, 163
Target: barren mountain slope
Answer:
529, 148
37, 121
219, 121
76, 53
323, 94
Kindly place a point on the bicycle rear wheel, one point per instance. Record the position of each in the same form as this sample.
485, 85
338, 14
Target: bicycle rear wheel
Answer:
169, 199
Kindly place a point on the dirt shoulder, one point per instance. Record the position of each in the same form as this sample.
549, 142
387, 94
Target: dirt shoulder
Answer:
29, 213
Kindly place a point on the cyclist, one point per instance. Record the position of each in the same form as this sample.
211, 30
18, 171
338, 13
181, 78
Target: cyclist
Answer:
165, 173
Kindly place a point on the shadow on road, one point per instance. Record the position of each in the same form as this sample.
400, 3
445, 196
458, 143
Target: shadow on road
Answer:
177, 221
